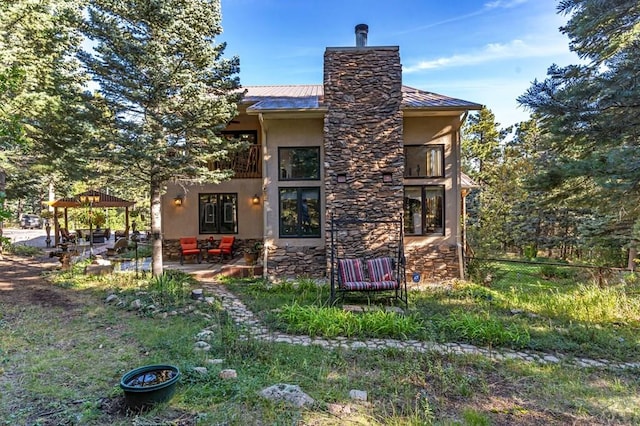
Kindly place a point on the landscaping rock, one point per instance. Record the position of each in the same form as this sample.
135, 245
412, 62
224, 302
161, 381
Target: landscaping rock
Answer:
206, 335
112, 298
228, 374
200, 370
291, 394
215, 361
95, 269
201, 345
358, 395
136, 304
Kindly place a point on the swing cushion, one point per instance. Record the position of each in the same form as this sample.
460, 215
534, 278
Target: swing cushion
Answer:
381, 273
351, 275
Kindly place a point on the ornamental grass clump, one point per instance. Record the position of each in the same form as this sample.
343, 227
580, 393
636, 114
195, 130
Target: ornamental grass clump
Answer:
480, 329
332, 322
170, 288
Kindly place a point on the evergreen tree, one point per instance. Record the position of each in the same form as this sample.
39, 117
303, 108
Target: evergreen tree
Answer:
42, 104
591, 114
168, 89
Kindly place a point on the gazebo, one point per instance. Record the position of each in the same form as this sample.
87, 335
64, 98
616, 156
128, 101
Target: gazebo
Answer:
100, 200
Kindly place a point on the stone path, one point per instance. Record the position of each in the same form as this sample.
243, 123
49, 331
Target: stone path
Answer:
244, 317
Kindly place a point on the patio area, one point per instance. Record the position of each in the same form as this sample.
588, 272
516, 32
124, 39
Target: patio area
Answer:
205, 270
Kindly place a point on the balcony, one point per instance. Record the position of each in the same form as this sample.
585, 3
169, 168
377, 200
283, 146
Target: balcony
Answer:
246, 163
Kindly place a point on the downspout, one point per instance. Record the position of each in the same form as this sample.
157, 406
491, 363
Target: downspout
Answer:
265, 248
458, 202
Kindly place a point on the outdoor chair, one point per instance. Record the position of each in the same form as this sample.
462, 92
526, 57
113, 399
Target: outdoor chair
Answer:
122, 234
224, 248
66, 236
189, 247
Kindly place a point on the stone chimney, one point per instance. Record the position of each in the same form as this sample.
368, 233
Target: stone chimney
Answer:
362, 30
363, 136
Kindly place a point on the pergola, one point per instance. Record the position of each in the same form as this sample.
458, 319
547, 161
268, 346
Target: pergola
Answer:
104, 200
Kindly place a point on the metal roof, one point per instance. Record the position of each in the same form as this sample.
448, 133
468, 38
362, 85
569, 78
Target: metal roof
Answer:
466, 181
311, 97
105, 200
416, 98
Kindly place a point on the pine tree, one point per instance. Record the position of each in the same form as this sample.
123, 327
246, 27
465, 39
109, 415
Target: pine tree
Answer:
591, 114
42, 104
168, 89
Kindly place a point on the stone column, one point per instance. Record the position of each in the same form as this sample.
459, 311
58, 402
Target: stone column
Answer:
363, 143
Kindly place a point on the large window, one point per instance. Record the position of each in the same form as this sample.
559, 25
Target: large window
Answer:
424, 161
218, 213
424, 210
299, 212
299, 163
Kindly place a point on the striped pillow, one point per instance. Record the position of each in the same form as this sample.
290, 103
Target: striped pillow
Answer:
350, 270
380, 269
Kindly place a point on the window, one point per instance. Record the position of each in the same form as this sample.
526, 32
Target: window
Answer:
299, 212
299, 163
424, 161
424, 210
218, 213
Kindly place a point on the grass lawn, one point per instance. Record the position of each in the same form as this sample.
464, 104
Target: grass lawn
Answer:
62, 365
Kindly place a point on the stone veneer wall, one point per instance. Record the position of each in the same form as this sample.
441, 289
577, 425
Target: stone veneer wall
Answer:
289, 262
363, 140
434, 263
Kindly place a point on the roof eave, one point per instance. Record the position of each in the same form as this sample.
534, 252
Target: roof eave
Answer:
439, 110
320, 111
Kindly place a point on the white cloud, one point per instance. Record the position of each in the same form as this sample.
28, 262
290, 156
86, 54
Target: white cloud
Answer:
493, 52
503, 4
487, 7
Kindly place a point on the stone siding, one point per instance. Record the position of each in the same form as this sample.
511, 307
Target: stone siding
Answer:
363, 143
291, 262
434, 263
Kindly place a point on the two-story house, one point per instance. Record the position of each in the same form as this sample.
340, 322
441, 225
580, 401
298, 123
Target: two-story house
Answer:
359, 145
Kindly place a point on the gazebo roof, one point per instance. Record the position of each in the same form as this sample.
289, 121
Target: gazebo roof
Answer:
106, 200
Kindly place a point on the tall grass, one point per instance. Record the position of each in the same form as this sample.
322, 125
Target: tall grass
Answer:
480, 329
587, 303
332, 322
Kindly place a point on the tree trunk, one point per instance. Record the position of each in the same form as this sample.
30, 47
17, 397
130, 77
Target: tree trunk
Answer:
3, 185
156, 228
631, 261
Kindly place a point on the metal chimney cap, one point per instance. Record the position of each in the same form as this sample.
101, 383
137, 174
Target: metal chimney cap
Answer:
361, 35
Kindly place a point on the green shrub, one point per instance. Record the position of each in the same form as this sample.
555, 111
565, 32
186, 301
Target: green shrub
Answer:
22, 250
557, 272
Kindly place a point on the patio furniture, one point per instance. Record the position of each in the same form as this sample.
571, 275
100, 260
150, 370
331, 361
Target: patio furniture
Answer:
189, 247
66, 236
224, 248
122, 234
118, 247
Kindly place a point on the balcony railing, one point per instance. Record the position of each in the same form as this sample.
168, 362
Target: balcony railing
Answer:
246, 163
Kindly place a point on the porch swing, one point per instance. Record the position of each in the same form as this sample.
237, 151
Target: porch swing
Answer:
367, 255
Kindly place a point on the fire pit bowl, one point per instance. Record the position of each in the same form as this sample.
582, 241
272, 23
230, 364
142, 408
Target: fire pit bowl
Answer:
149, 385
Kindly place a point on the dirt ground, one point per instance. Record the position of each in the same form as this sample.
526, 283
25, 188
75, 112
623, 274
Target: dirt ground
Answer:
21, 283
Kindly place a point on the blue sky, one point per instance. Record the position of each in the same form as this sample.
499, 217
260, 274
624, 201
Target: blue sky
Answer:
485, 51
